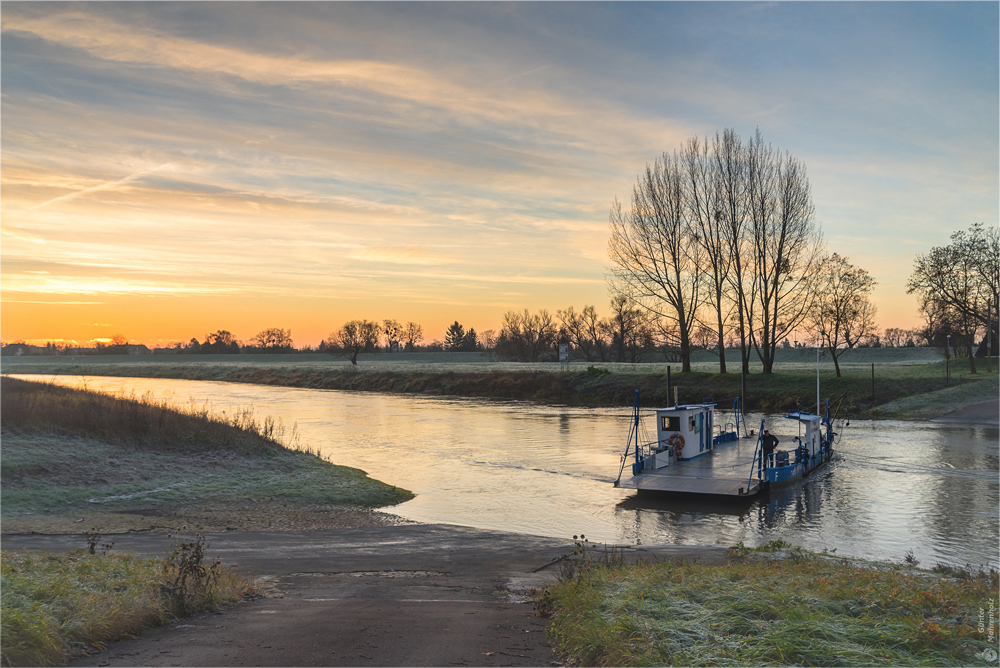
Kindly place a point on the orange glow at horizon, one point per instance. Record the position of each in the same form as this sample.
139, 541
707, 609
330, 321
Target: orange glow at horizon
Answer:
162, 179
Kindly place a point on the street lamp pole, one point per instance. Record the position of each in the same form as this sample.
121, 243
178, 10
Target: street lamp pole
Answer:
947, 361
820, 343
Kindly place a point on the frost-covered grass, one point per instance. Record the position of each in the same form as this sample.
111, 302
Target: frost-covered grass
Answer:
899, 373
787, 359
71, 452
765, 608
57, 606
933, 404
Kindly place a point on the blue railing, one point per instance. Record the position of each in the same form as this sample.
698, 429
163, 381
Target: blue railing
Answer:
633, 434
740, 417
758, 456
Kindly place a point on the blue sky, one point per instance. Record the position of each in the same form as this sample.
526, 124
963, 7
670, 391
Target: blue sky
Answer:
171, 169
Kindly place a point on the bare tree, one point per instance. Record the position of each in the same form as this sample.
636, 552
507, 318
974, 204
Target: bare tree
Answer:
656, 260
488, 340
705, 205
728, 154
633, 329
893, 337
705, 338
730, 226
354, 337
599, 331
586, 332
786, 247
524, 337
273, 339
939, 322
412, 334
960, 282
844, 315
392, 331
222, 341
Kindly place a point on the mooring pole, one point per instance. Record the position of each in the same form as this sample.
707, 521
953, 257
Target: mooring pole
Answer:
635, 423
873, 383
668, 385
743, 390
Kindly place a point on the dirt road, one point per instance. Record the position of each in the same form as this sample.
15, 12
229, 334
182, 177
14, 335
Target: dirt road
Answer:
419, 595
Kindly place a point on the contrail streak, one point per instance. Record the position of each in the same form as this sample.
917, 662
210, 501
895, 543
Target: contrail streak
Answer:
104, 186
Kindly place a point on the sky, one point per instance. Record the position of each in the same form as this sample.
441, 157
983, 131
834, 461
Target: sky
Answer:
171, 169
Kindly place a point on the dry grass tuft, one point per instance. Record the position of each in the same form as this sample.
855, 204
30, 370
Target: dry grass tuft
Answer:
58, 607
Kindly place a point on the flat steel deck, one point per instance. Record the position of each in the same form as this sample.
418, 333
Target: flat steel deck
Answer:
722, 472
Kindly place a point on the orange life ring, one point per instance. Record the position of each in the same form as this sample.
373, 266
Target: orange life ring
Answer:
676, 441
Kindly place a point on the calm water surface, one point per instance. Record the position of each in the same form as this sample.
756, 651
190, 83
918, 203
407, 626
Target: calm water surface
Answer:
894, 487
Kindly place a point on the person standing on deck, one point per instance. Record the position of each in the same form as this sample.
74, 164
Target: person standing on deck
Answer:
769, 442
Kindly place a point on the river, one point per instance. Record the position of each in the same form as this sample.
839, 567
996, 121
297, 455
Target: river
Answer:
894, 486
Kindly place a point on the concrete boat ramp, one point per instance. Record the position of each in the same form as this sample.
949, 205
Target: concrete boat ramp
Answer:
414, 595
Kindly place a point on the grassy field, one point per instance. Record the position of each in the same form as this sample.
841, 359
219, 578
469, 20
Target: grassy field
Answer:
75, 460
900, 374
59, 606
772, 606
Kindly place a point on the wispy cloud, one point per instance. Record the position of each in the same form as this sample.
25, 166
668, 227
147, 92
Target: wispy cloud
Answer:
369, 155
15, 233
409, 255
39, 301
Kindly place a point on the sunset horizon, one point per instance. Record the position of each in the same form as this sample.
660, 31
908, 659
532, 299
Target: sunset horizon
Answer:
174, 169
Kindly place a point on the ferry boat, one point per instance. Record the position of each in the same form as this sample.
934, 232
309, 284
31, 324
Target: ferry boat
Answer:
692, 455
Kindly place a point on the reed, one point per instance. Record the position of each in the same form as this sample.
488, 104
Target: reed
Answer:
764, 608
138, 422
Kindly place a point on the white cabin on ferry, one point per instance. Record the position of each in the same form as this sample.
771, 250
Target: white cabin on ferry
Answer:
685, 431
813, 437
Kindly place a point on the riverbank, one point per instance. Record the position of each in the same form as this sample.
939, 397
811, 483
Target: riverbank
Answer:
899, 376
76, 461
774, 605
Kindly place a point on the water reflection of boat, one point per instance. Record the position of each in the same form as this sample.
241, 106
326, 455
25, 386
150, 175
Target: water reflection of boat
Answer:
692, 456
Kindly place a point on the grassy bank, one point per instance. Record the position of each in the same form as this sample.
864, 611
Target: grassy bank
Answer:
773, 606
74, 460
933, 404
57, 607
899, 374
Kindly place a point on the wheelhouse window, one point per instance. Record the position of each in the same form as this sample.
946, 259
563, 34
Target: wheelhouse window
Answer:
670, 423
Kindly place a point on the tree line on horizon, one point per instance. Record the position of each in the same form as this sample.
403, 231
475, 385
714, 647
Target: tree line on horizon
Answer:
623, 336
717, 249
